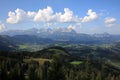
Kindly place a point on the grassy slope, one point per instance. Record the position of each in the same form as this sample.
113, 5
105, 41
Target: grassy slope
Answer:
40, 60
76, 62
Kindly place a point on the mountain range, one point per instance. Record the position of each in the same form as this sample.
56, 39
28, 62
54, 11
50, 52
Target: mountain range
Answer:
63, 35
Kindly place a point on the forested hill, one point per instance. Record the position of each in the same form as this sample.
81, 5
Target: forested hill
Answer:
55, 64
106, 53
6, 43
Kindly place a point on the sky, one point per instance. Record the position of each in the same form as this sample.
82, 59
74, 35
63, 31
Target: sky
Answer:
84, 16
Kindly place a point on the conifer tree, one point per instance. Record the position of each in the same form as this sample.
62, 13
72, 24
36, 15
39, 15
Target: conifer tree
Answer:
71, 75
99, 77
38, 73
56, 70
92, 76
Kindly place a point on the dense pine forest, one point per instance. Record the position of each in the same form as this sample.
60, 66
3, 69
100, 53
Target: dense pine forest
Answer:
54, 63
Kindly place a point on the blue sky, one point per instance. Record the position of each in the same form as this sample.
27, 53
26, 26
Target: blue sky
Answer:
85, 16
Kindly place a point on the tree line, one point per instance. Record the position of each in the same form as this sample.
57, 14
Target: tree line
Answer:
14, 68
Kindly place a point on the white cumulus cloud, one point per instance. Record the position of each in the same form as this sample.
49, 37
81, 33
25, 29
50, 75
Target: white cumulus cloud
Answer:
44, 15
90, 16
2, 26
31, 14
71, 27
19, 15
48, 15
68, 16
110, 21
